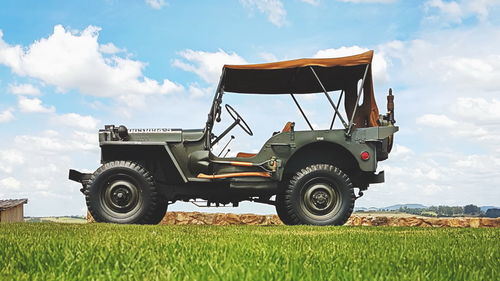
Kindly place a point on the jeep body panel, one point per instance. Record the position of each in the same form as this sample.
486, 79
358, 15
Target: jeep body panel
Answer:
186, 148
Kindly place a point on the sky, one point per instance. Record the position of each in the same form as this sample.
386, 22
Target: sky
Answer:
67, 68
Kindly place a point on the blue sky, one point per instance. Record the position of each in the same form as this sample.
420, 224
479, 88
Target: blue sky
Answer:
69, 67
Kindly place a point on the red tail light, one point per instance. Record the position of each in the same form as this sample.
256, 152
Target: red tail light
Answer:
364, 155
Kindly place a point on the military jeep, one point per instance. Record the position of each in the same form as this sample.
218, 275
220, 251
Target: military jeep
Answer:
310, 176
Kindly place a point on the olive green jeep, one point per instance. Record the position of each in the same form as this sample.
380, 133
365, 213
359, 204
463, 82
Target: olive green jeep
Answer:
309, 175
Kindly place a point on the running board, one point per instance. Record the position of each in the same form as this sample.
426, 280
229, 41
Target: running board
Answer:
234, 175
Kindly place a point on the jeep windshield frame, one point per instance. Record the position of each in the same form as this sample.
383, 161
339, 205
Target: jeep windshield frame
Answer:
307, 76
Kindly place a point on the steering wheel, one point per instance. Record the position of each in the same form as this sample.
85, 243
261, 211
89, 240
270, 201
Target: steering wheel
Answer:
237, 118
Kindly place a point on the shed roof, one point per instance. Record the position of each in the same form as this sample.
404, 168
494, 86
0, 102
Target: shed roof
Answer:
11, 203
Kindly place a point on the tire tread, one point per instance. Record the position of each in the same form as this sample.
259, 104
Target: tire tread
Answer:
151, 216
288, 212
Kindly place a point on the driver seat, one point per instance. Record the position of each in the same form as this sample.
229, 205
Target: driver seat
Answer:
288, 128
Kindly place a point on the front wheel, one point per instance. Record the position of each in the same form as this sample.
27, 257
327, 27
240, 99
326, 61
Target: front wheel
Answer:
124, 192
319, 194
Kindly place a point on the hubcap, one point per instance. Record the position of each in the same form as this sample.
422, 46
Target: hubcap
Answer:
320, 199
121, 195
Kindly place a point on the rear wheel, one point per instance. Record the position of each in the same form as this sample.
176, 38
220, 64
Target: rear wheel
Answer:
124, 192
320, 194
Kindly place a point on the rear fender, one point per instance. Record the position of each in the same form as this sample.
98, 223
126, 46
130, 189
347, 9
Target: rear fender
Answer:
323, 152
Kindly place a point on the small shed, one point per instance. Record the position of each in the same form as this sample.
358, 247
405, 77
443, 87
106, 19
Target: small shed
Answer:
12, 210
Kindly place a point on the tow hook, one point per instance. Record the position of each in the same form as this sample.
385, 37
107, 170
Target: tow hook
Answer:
360, 194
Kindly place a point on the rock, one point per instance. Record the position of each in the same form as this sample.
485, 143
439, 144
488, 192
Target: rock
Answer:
89, 217
475, 222
376, 221
490, 222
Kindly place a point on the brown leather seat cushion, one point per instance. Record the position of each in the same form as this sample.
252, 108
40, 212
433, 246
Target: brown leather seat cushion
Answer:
245, 155
288, 127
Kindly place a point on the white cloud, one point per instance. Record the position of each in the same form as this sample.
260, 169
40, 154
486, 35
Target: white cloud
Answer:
33, 105
472, 119
456, 11
24, 89
73, 60
436, 121
268, 57
6, 116
10, 183
77, 121
9, 159
454, 82
37, 166
462, 67
274, 9
156, 4
51, 142
11, 156
452, 178
311, 2
478, 110
207, 65
450, 10
369, 1
401, 152
110, 48
446, 93
379, 63
196, 91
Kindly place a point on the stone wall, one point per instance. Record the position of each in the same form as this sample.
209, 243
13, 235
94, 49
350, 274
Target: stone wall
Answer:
219, 219
197, 218
423, 222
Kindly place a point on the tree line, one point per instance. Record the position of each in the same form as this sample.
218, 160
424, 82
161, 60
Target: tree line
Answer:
451, 211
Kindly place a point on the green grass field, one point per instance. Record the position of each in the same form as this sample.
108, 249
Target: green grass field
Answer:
48, 251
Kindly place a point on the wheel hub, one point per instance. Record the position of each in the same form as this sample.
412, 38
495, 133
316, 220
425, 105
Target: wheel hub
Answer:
121, 195
319, 199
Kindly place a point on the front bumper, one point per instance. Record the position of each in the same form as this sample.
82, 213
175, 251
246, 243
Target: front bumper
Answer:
82, 178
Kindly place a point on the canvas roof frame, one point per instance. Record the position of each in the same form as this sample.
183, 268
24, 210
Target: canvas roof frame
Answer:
348, 126
364, 59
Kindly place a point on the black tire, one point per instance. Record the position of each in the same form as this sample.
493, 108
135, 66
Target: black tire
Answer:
159, 213
320, 194
124, 192
280, 207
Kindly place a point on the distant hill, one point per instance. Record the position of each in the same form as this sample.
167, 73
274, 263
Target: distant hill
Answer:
485, 208
365, 209
61, 219
409, 206
390, 208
